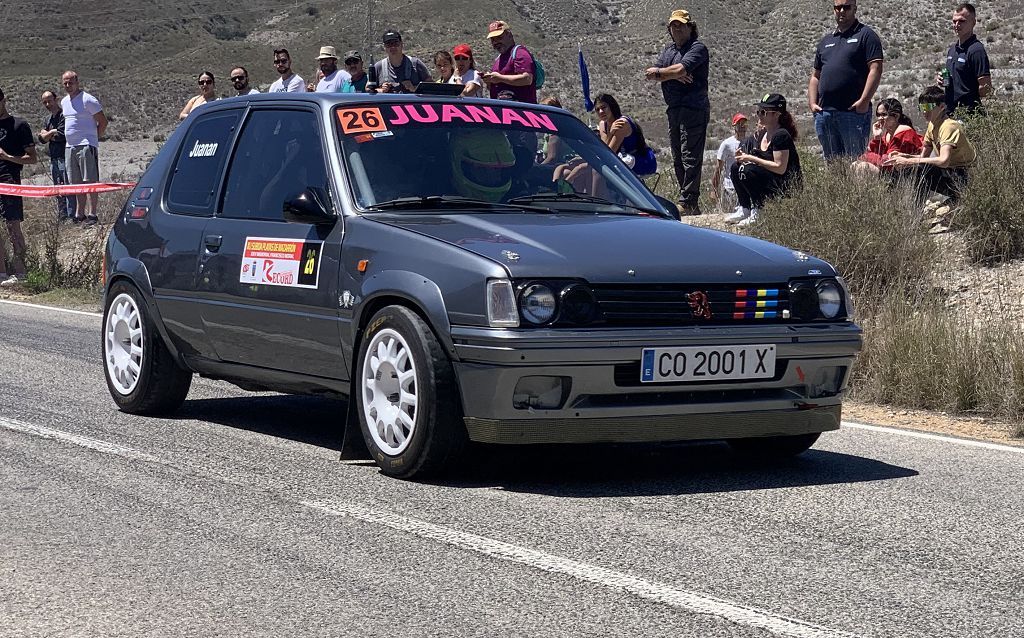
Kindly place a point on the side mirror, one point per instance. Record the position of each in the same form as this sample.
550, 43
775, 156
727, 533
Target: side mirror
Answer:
670, 207
311, 206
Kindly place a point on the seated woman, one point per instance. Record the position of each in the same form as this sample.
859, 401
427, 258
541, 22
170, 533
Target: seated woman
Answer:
942, 163
623, 136
767, 165
892, 132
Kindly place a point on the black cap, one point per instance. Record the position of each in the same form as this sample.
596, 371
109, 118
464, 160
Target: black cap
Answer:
353, 55
773, 101
391, 35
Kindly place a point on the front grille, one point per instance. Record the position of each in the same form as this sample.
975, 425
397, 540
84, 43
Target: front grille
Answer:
684, 304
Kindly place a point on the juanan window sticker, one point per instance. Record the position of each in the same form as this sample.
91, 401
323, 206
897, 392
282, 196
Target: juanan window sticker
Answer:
203, 149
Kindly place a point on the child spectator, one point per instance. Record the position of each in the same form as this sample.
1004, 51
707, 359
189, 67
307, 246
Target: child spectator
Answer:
724, 192
892, 132
445, 66
942, 164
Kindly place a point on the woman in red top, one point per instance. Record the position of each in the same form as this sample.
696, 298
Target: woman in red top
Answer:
893, 132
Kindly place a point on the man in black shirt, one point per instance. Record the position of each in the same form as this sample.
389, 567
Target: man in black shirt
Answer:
52, 134
682, 70
970, 76
847, 69
17, 148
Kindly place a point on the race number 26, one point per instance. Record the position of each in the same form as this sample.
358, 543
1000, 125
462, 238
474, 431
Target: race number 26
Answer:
361, 120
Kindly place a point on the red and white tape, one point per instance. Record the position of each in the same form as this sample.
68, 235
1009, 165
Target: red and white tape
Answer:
26, 190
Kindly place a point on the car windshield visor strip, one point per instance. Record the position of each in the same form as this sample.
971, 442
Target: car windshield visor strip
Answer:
491, 154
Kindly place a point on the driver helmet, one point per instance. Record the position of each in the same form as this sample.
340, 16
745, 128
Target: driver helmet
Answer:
482, 163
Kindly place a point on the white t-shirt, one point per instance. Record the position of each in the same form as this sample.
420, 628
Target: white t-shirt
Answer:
727, 153
335, 82
250, 92
79, 124
470, 76
295, 85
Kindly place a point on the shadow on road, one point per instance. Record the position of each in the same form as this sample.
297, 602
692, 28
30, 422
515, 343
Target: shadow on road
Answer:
583, 471
311, 420
643, 470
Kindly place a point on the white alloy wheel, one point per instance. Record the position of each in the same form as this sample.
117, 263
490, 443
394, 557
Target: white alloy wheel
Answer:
389, 391
123, 344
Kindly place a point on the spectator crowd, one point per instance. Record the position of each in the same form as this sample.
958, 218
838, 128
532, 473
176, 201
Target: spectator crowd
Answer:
753, 165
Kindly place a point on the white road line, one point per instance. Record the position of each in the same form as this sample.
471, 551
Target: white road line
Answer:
76, 439
55, 308
679, 598
985, 445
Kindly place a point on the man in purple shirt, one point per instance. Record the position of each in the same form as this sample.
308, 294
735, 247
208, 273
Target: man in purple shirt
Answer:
513, 69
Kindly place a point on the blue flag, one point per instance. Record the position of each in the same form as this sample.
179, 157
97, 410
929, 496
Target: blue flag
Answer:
585, 79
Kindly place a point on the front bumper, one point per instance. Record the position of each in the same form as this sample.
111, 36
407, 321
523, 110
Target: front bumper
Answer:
605, 402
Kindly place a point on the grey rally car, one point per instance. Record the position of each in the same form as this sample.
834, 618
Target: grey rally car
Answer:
427, 258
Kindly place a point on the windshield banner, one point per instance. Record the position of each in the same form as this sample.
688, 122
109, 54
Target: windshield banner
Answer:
376, 119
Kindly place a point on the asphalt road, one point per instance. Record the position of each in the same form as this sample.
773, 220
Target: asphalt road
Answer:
236, 517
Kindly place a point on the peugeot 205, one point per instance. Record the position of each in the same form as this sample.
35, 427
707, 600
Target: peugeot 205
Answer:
416, 255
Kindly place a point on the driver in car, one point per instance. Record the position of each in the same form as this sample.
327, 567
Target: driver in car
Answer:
482, 164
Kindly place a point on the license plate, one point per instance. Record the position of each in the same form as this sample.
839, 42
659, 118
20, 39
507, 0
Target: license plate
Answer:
708, 363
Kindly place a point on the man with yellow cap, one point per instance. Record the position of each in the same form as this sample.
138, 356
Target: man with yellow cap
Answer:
682, 71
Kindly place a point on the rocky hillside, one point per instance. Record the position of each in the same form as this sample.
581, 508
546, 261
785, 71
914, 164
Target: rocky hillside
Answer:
141, 57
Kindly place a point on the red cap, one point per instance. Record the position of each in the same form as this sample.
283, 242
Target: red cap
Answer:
463, 49
739, 117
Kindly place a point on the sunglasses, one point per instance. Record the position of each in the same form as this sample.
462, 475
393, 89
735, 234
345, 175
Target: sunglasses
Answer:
204, 82
352, 62
761, 112
237, 78
844, 7
282, 61
929, 106
462, 57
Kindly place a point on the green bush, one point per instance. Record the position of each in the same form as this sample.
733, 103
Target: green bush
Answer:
992, 210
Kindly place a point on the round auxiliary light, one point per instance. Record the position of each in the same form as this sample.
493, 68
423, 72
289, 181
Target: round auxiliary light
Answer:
830, 299
803, 302
578, 305
537, 304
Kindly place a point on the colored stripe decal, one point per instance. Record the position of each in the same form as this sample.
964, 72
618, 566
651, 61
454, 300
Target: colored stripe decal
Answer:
755, 315
772, 303
761, 292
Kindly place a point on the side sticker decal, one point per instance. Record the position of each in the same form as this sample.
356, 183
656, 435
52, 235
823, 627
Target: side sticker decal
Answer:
281, 262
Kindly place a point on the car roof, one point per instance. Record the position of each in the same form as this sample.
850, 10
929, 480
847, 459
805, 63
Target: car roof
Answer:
329, 100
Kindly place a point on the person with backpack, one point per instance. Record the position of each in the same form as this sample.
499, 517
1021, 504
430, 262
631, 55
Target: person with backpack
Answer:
398, 72
515, 69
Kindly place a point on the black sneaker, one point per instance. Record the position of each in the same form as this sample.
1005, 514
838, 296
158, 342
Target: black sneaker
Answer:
91, 220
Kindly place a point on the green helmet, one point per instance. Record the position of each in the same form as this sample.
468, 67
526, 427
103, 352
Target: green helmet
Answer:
482, 163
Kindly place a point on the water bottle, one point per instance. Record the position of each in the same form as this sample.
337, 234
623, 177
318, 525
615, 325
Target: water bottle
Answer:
371, 77
944, 71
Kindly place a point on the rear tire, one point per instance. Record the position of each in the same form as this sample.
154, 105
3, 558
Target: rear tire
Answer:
142, 375
773, 448
408, 401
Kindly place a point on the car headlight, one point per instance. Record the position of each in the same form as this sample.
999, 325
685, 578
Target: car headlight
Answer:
537, 304
501, 304
577, 305
830, 298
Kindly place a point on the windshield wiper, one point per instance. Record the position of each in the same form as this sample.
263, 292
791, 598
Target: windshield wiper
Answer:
583, 198
447, 201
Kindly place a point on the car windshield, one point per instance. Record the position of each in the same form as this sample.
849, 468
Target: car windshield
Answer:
504, 155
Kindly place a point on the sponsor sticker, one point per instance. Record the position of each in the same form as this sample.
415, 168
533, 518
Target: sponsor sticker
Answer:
273, 261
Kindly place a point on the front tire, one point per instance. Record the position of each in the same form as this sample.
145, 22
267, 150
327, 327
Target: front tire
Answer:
142, 375
774, 448
408, 403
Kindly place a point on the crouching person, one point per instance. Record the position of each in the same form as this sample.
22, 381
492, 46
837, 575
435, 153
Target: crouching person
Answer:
942, 164
767, 165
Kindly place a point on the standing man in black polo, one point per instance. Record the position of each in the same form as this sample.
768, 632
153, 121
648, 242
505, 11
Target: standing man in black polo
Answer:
52, 134
970, 75
847, 69
682, 70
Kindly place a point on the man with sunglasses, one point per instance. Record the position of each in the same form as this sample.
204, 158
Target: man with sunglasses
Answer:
288, 82
398, 72
354, 66
847, 70
970, 74
240, 81
946, 155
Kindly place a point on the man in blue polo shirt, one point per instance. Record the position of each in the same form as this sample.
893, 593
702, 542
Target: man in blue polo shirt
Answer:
682, 71
970, 76
847, 69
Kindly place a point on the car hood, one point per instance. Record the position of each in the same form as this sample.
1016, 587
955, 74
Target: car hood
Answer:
611, 248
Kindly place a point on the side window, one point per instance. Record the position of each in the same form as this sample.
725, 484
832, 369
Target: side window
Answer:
200, 163
278, 155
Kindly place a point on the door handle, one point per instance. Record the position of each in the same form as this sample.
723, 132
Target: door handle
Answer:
213, 242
